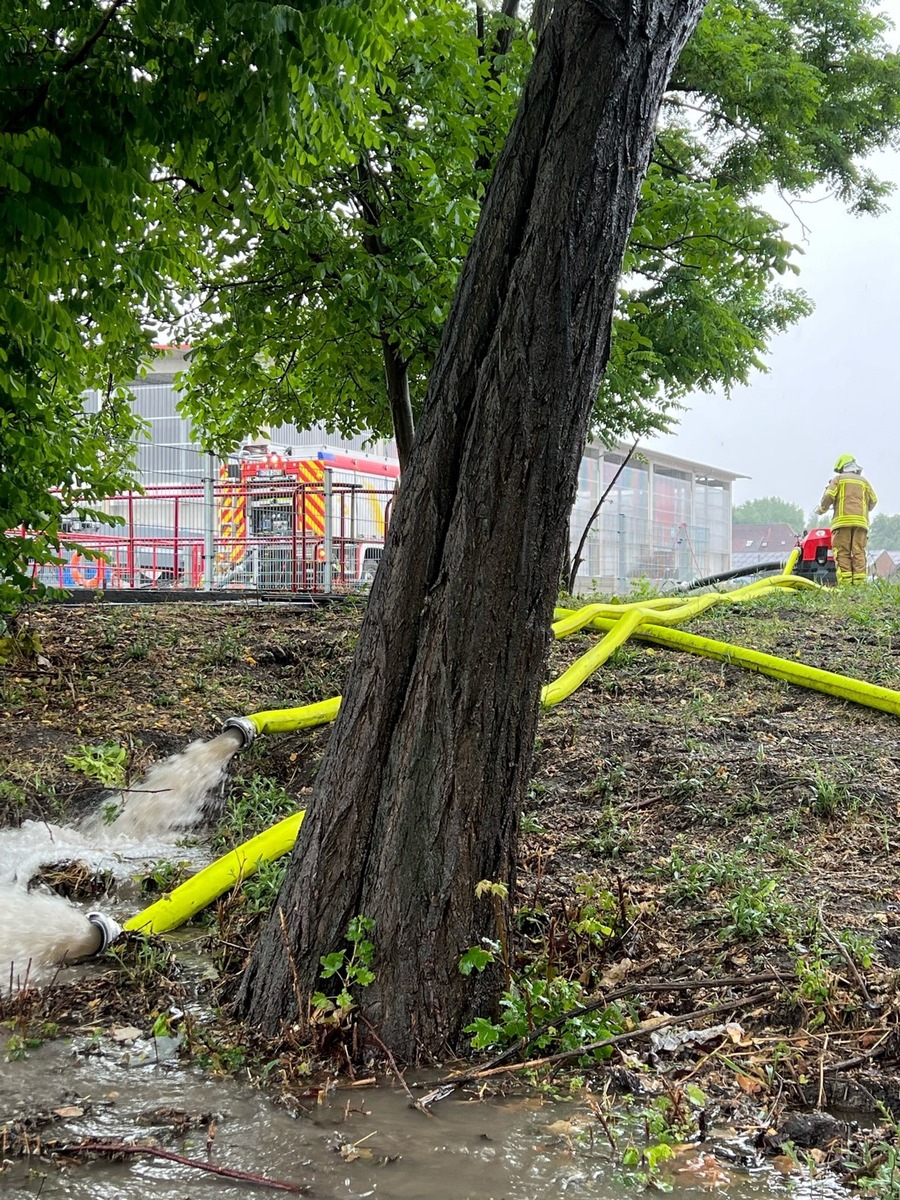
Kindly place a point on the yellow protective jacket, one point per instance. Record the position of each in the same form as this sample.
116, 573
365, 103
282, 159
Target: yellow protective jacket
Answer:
852, 499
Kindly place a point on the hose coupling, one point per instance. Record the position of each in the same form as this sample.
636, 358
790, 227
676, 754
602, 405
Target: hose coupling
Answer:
245, 727
109, 929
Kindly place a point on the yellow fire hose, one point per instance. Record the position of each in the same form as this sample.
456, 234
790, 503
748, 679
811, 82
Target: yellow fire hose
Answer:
647, 620
637, 616
207, 885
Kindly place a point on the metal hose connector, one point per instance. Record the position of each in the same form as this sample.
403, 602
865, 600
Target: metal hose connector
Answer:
109, 929
245, 727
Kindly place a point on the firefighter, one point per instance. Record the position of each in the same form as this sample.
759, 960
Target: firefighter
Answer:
852, 498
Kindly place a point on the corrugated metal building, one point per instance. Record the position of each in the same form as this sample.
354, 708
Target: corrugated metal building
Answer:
665, 519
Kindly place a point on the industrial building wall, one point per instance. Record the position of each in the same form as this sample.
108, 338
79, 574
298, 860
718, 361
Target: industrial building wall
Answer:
665, 520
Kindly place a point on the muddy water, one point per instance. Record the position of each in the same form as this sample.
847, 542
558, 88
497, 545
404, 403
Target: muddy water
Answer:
515, 1148
522, 1148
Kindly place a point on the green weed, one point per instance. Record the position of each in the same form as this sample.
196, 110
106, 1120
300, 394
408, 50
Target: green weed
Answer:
225, 650
253, 806
261, 889
755, 909
347, 969
668, 1120
535, 1003
164, 875
609, 781
611, 837
107, 764
530, 824
878, 1174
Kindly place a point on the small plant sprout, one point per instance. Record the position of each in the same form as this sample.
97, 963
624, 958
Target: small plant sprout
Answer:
498, 893
348, 969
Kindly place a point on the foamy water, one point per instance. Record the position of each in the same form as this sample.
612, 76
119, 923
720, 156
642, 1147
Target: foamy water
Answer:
40, 930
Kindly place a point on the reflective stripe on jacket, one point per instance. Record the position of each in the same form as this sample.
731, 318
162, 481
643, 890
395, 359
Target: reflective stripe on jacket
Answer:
852, 499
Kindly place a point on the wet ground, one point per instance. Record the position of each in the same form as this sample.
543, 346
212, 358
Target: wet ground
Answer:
349, 1142
737, 837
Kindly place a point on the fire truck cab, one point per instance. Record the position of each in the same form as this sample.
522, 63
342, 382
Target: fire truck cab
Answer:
276, 515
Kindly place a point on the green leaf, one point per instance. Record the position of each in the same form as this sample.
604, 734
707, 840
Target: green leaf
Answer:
475, 959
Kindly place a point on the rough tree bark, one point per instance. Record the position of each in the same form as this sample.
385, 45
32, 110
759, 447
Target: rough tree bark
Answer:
418, 797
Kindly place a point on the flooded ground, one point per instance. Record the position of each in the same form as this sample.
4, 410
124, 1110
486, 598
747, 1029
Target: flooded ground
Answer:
125, 830
362, 1141
743, 862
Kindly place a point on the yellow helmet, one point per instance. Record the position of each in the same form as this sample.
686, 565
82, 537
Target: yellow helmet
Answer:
844, 461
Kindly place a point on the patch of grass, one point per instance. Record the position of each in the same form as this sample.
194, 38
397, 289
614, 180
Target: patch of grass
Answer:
729, 887
13, 802
694, 877
261, 890
223, 651
138, 648
612, 837
609, 782
254, 805
830, 794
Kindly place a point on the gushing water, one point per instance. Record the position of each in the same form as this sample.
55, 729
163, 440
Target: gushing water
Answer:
39, 931
172, 797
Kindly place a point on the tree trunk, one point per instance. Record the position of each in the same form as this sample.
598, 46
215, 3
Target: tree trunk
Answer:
397, 381
419, 795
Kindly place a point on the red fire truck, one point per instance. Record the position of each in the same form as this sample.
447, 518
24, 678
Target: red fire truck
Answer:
281, 518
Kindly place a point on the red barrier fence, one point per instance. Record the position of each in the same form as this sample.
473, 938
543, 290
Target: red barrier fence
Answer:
260, 534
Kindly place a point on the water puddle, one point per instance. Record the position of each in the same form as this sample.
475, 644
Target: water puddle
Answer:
360, 1142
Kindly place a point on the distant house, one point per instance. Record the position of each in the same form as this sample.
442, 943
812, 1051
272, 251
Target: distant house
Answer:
885, 564
755, 544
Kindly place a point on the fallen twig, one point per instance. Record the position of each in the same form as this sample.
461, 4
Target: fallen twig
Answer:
848, 959
390, 1058
98, 1147
494, 1067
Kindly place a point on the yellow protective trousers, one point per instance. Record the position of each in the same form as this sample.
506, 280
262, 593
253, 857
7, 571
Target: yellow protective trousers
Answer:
849, 546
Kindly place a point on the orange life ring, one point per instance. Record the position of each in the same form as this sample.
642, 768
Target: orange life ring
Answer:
79, 576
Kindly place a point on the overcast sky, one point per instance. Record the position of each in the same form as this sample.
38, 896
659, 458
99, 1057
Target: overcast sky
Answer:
833, 385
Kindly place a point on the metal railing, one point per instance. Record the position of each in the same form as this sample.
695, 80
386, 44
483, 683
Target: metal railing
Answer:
225, 534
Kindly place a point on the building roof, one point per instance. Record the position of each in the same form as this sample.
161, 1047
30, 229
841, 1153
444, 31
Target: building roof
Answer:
768, 540
701, 470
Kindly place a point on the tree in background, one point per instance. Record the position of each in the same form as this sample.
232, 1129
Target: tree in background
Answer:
336, 314
884, 532
769, 510
127, 130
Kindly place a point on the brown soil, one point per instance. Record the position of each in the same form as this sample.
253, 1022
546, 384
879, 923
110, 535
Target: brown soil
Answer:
724, 826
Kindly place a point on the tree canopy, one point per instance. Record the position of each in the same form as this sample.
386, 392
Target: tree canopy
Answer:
769, 510
122, 125
884, 532
788, 95
297, 183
